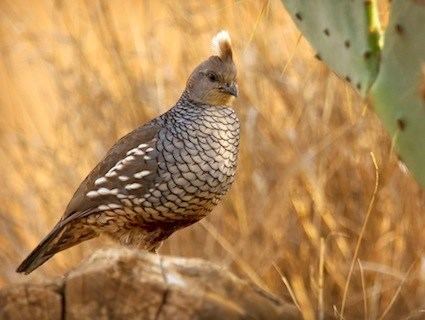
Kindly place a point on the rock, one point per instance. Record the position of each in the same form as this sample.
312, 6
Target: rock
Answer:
126, 284
31, 301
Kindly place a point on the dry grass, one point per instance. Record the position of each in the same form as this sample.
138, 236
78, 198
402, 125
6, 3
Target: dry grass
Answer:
76, 75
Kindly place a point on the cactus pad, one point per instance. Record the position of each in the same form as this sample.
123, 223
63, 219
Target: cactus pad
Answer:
344, 33
398, 94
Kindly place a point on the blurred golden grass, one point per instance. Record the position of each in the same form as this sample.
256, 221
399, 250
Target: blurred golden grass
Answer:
76, 75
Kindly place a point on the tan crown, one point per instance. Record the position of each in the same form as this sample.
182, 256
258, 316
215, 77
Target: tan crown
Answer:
222, 45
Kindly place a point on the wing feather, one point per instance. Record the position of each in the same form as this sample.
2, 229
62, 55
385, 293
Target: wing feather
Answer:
129, 167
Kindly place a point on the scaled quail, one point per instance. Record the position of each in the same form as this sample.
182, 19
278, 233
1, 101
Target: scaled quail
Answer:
164, 175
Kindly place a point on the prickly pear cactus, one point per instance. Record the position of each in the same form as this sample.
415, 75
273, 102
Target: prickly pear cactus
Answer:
345, 34
398, 94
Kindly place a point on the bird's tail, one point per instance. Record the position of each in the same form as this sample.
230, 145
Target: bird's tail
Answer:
60, 238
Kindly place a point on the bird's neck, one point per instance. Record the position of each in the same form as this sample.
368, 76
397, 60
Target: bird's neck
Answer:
190, 109
187, 102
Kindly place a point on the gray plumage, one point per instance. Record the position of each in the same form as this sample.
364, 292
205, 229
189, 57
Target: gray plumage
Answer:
163, 176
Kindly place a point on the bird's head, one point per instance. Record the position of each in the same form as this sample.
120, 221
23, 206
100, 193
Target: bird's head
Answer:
213, 82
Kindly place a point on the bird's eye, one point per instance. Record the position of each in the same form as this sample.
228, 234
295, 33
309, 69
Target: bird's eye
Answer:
212, 77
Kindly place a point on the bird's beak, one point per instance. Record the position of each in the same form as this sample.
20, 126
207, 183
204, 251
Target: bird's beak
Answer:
231, 89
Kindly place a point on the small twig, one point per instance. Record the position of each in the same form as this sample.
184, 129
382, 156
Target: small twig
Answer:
363, 289
292, 55
359, 240
253, 276
337, 313
393, 299
320, 308
287, 285
262, 13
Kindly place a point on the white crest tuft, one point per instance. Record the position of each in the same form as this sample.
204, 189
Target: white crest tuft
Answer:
222, 45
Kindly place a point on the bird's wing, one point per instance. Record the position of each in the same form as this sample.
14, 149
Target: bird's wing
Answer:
128, 169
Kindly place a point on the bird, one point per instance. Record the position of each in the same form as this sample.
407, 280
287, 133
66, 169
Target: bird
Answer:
163, 176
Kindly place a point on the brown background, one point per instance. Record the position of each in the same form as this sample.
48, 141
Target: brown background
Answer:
76, 75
